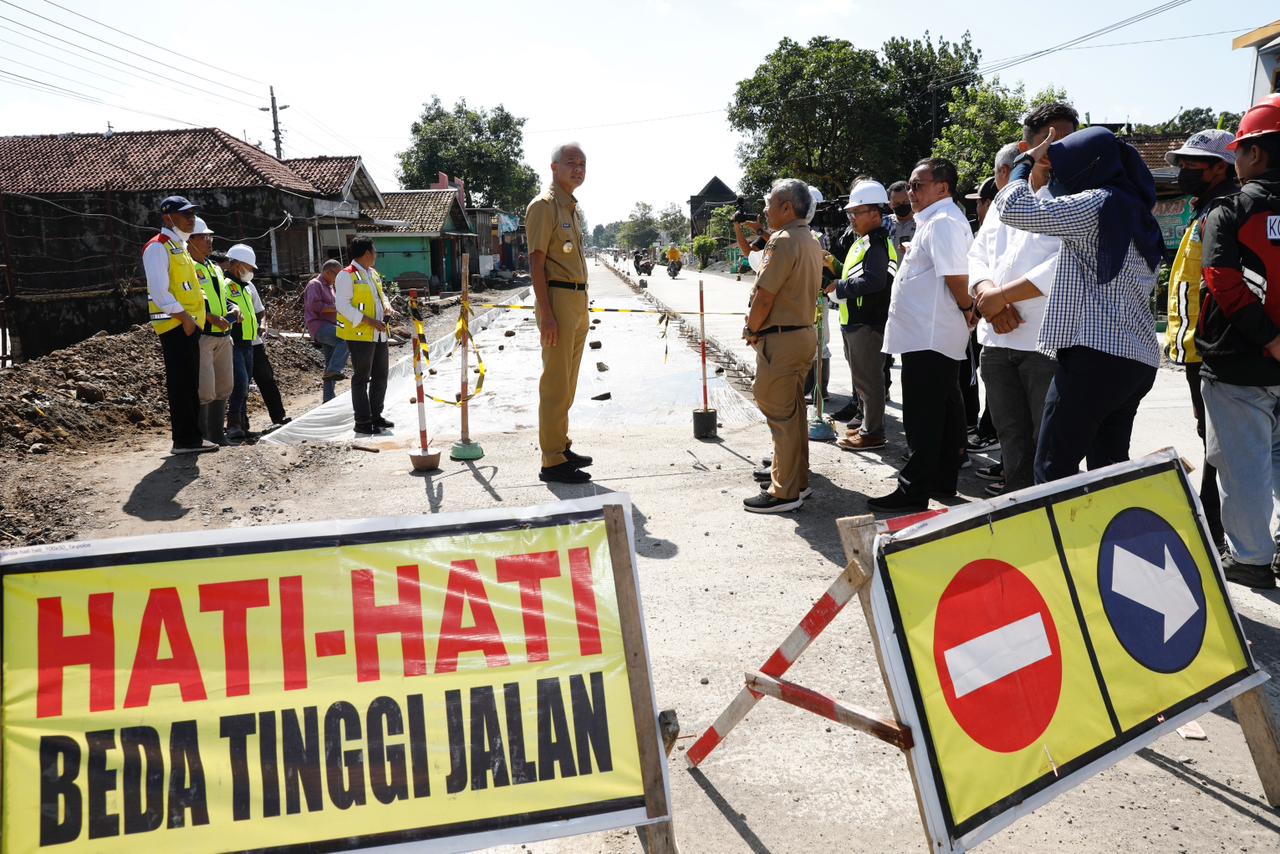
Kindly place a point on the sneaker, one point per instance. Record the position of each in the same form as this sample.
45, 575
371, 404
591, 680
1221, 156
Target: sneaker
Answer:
848, 412
204, 447
1250, 575
965, 462
766, 503
982, 444
763, 475
379, 422
335, 376
806, 492
861, 442
995, 471
581, 461
898, 500
563, 473
996, 488
365, 429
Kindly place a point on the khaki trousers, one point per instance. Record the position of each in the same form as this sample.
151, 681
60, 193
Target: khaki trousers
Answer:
216, 377
560, 374
782, 362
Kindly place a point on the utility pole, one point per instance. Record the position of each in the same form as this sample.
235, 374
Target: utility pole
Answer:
275, 121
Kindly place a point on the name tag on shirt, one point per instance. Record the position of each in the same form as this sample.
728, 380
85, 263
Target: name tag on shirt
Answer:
1273, 229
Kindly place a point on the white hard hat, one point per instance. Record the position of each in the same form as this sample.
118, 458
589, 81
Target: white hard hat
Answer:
867, 193
202, 228
816, 195
243, 253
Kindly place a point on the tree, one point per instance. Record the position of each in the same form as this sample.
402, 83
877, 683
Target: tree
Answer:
640, 229
921, 77
483, 147
673, 222
980, 120
597, 236
827, 111
1187, 122
720, 225
704, 245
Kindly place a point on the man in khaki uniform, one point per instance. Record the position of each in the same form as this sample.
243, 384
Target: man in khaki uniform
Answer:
559, 271
780, 327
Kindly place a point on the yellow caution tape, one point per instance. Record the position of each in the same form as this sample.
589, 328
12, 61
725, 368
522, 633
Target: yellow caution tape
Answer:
461, 332
610, 310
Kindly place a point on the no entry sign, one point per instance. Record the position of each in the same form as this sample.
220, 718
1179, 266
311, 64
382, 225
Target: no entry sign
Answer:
996, 649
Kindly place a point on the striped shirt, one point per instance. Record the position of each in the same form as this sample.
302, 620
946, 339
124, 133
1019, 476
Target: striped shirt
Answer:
1115, 317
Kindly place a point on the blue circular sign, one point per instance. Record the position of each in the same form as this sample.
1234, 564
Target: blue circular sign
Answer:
1151, 591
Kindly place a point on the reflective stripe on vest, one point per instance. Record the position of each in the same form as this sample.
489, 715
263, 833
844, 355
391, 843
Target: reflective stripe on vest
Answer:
853, 267
1185, 286
184, 286
248, 318
362, 297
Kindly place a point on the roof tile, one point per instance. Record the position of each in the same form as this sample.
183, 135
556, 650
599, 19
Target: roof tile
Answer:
426, 211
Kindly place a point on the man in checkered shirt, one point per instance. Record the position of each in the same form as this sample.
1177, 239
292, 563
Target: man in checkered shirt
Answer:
1098, 320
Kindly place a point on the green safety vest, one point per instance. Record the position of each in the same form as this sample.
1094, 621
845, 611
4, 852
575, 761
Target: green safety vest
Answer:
214, 285
248, 319
853, 267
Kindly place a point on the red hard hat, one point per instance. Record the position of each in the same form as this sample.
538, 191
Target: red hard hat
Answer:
1263, 117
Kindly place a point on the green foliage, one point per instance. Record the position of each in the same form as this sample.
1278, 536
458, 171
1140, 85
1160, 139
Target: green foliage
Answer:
1187, 122
606, 235
640, 229
673, 222
827, 111
721, 222
981, 120
704, 246
597, 235
483, 147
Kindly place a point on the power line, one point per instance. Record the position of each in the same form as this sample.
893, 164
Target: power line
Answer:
63, 61
165, 65
59, 76
67, 93
152, 44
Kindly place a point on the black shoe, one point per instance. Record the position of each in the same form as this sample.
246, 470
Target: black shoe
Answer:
848, 412
766, 503
563, 473
766, 461
997, 488
576, 460
763, 475
965, 462
898, 500
366, 429
1249, 574
382, 423
995, 471
982, 444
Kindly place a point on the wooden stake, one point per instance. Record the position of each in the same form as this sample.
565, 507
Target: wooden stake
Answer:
466, 307
1253, 711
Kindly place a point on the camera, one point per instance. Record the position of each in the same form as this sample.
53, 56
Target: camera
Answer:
744, 212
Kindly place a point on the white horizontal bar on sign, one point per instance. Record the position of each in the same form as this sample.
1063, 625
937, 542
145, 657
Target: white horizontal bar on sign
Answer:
992, 656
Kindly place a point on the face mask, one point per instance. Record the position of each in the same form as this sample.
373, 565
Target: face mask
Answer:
184, 236
901, 211
1192, 181
248, 277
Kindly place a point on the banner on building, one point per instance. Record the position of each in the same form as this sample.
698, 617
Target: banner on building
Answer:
1035, 640
474, 679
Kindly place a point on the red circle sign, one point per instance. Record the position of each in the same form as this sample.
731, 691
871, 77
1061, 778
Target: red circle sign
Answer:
998, 657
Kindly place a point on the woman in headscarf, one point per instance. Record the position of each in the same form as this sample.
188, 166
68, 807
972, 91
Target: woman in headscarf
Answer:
1098, 320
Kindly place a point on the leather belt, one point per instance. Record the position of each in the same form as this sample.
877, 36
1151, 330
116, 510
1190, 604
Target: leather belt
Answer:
769, 330
568, 286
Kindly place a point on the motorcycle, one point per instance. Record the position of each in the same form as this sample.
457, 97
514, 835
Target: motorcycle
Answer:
644, 266
673, 268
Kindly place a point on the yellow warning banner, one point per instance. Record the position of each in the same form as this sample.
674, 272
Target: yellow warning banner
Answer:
341, 684
1036, 639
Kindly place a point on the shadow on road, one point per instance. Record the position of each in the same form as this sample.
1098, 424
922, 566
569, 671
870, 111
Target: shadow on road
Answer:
433, 482
1247, 806
646, 544
731, 815
153, 498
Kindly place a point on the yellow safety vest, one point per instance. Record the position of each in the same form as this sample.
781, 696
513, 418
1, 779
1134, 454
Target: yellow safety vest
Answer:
362, 297
853, 267
183, 285
216, 296
1186, 282
240, 295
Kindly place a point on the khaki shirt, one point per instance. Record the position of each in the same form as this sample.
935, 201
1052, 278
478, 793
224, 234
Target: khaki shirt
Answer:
553, 228
791, 270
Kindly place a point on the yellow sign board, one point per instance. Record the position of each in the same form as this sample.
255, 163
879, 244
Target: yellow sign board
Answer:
347, 684
1034, 640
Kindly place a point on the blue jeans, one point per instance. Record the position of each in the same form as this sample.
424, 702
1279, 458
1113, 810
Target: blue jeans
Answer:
1242, 440
335, 355
242, 370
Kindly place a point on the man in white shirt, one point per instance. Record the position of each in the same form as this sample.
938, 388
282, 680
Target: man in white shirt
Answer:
930, 315
1010, 274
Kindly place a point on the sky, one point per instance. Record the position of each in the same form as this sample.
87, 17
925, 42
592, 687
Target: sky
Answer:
641, 85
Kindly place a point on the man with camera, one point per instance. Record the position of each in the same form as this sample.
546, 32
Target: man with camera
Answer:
780, 328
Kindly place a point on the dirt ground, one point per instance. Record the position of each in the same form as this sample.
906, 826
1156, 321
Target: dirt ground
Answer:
720, 589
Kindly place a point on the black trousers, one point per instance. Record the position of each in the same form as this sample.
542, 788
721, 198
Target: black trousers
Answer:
368, 379
265, 379
933, 415
1209, 496
1088, 413
975, 417
182, 381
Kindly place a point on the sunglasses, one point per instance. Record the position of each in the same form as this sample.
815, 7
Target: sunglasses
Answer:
915, 184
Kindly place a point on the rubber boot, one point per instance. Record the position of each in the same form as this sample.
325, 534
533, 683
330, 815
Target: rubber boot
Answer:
216, 418
235, 431
203, 420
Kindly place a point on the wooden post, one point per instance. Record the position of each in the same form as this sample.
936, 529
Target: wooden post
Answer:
1253, 711
466, 320
857, 535
660, 837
